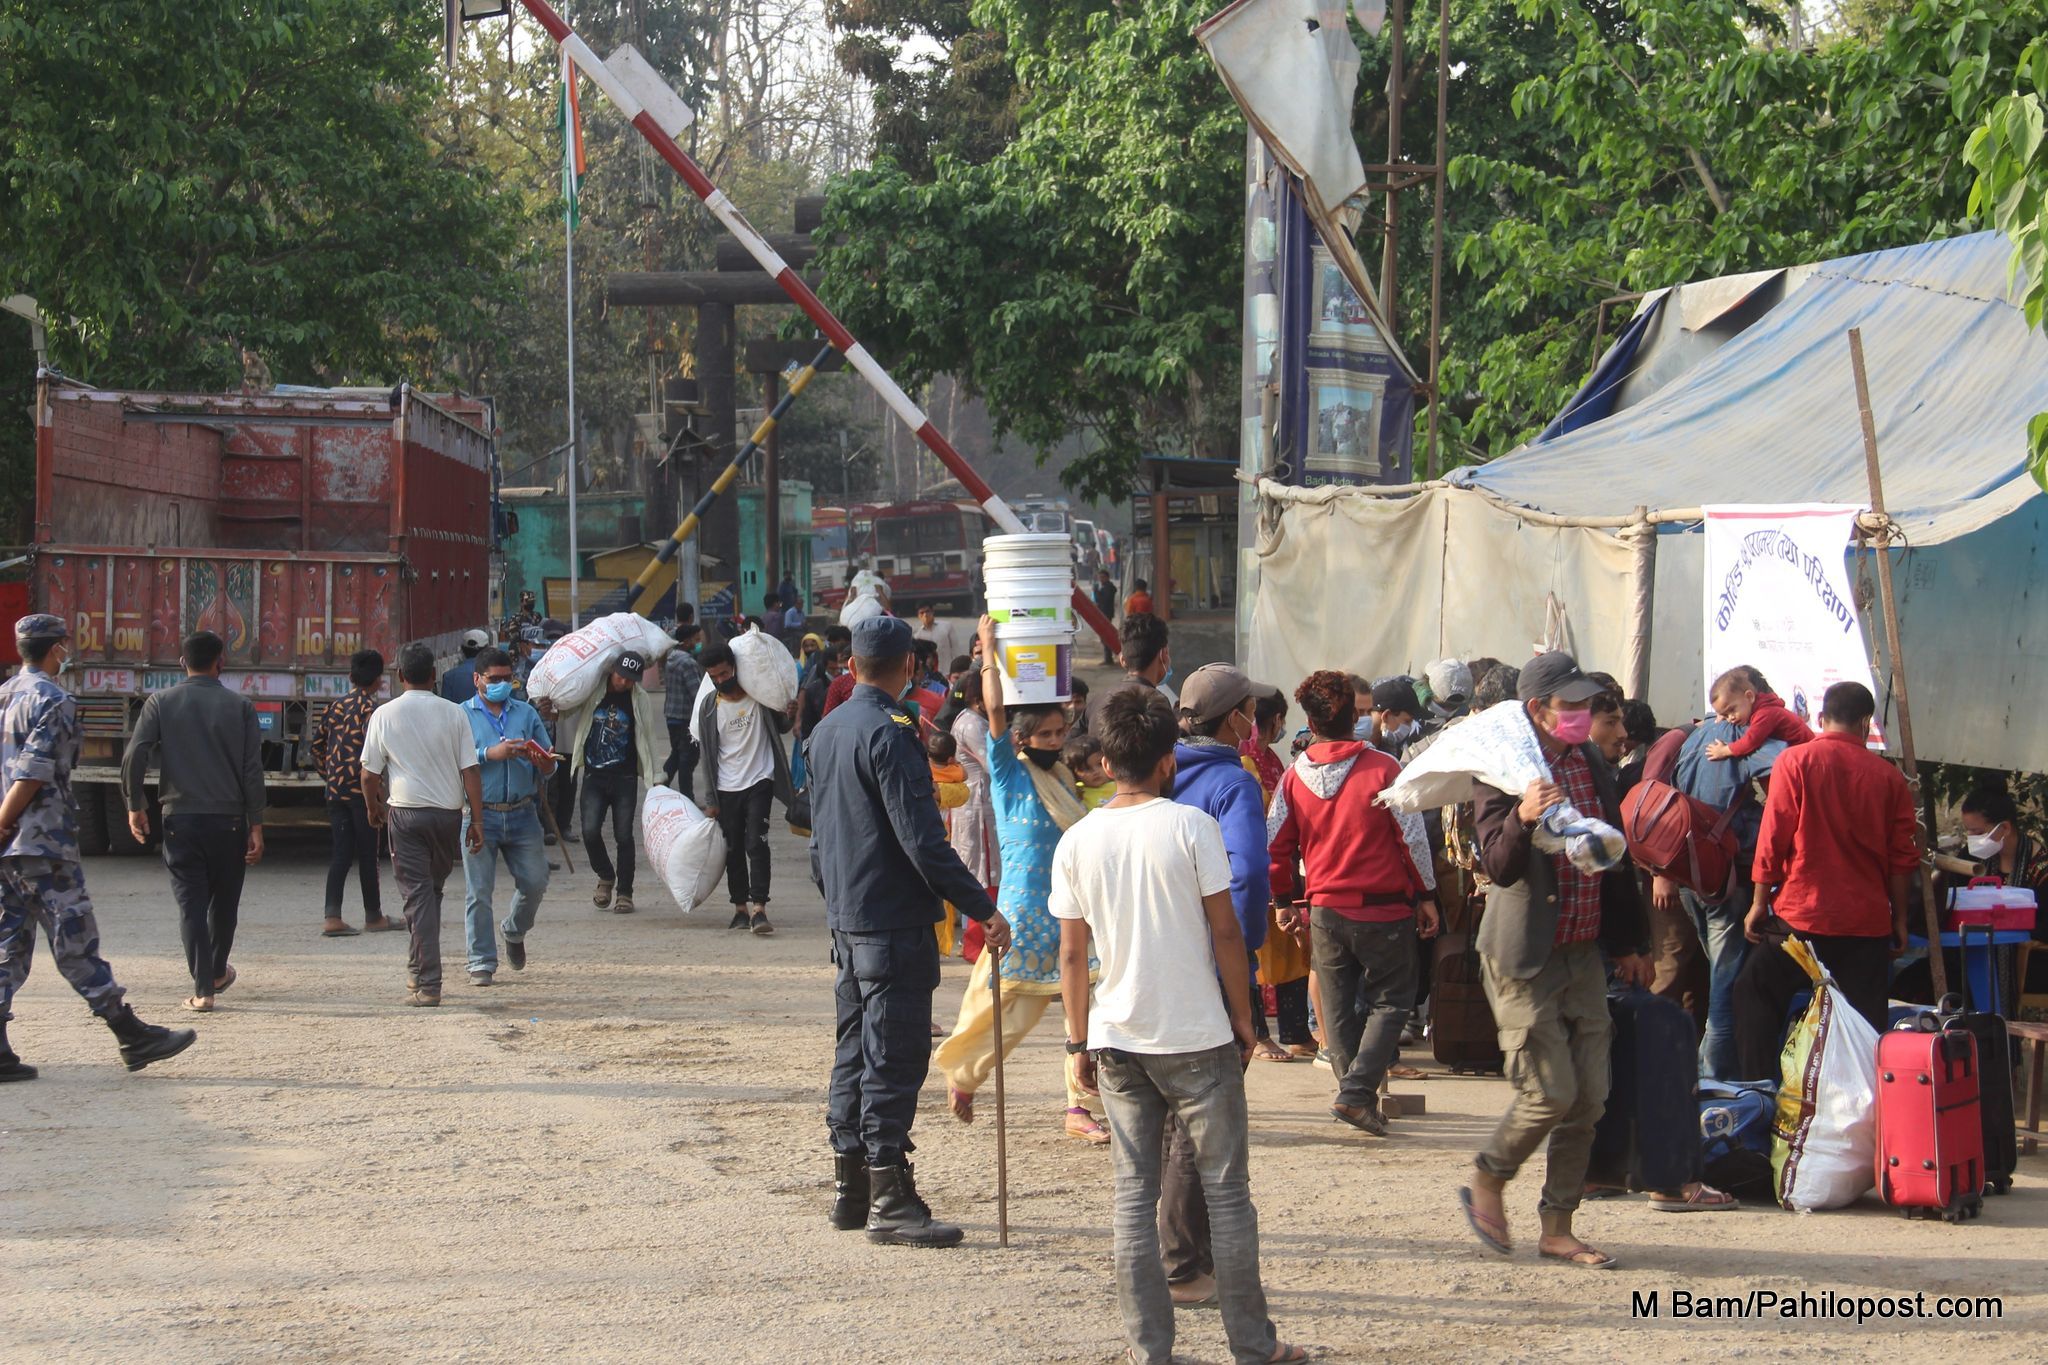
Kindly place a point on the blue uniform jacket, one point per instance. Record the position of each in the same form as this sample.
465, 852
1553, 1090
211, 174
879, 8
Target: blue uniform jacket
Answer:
1212, 777
878, 848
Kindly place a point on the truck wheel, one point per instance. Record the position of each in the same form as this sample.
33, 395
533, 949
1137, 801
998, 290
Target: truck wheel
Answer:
92, 820
120, 841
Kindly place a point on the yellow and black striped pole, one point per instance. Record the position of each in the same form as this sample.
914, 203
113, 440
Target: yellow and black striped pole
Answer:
642, 594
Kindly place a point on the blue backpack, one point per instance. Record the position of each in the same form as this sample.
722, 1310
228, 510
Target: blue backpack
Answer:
1735, 1135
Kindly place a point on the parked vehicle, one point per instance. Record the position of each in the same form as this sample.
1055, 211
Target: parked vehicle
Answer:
928, 552
300, 525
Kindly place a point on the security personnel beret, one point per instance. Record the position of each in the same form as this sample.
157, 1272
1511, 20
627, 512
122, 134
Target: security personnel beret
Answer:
882, 637
41, 626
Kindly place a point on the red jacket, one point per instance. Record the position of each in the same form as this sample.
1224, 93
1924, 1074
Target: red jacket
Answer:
1352, 852
1838, 824
1771, 719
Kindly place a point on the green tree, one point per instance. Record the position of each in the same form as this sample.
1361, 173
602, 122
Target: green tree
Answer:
961, 104
2010, 156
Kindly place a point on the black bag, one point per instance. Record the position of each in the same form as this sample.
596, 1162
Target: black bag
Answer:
1461, 1028
1994, 1061
799, 813
1649, 1136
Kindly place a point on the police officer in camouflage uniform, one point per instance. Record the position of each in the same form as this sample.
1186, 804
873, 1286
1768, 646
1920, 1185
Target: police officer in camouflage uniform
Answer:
882, 858
41, 881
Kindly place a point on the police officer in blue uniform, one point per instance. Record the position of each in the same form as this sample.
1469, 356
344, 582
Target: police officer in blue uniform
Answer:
41, 881
879, 852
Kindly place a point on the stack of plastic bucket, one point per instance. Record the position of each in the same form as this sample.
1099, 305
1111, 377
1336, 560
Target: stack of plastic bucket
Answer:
1030, 585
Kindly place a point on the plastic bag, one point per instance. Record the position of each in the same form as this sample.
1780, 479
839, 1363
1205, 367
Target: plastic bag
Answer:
572, 670
1498, 748
767, 672
686, 845
1824, 1138
861, 608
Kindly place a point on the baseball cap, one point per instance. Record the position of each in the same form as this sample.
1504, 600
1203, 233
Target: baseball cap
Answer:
882, 637
477, 639
630, 665
1449, 680
1556, 674
1396, 694
533, 635
1213, 691
41, 626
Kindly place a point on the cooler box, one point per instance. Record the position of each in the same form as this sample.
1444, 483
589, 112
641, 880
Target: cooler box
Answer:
1985, 901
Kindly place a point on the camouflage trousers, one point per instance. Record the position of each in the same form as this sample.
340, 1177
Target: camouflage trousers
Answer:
51, 893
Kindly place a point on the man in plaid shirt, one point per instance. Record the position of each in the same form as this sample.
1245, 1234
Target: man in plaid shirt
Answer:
338, 753
1541, 945
681, 676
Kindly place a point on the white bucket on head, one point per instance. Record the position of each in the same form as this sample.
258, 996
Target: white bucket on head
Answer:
1019, 595
1028, 551
1036, 659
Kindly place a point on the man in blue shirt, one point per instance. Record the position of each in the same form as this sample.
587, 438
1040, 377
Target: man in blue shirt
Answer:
460, 681
514, 754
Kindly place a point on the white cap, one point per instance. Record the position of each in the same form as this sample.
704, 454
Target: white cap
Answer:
476, 639
1449, 678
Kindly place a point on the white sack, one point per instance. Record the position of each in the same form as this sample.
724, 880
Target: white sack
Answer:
574, 667
1824, 1137
767, 672
1498, 748
861, 608
685, 845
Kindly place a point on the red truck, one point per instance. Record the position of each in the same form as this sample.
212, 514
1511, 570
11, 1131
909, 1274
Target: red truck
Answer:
300, 525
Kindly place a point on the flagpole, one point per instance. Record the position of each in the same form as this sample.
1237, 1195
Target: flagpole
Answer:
569, 297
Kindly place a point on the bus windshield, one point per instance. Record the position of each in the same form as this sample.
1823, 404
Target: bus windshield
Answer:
917, 535
829, 542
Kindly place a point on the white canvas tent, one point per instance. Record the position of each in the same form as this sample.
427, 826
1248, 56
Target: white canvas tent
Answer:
1591, 538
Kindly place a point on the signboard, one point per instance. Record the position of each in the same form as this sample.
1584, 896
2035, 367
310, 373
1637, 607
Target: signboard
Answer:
261, 684
1778, 599
106, 680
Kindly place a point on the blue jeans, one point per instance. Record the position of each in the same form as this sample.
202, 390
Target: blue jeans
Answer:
1205, 1091
1719, 925
517, 834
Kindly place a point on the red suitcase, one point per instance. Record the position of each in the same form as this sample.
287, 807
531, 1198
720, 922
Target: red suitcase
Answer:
1930, 1134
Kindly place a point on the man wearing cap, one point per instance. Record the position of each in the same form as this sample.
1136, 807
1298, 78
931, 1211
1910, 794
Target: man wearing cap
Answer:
513, 756
1217, 705
459, 684
612, 739
743, 768
1395, 719
41, 880
530, 645
682, 677
1450, 690
1540, 949
880, 854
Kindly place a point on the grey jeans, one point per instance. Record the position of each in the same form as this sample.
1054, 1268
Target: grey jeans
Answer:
424, 845
1365, 973
1205, 1091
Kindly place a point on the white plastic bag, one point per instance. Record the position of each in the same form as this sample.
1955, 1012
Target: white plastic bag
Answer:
685, 845
1498, 748
1824, 1138
861, 608
767, 673
574, 667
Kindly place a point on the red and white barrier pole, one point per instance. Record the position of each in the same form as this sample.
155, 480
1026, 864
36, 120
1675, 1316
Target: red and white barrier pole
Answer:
799, 293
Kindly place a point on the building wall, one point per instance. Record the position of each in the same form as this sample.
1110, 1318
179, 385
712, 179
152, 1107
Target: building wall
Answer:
540, 549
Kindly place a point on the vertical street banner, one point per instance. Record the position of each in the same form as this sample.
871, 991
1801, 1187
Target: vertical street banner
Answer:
1778, 598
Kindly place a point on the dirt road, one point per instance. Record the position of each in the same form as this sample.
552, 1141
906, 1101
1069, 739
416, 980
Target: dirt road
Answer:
619, 1154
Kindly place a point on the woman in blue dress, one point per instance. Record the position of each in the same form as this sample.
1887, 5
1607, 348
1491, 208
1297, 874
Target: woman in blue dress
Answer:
1035, 801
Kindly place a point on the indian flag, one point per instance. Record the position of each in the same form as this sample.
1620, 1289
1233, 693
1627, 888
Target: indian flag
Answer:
571, 121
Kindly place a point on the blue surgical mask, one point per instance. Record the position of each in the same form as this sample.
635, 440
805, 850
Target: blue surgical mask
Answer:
1166, 677
498, 691
1362, 730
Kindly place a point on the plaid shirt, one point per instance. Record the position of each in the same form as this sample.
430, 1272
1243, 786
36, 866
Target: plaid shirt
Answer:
338, 744
1578, 895
681, 676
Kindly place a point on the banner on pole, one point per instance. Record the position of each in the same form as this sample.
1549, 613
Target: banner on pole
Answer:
1778, 598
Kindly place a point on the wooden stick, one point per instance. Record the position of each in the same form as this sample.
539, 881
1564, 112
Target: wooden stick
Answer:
1935, 966
995, 984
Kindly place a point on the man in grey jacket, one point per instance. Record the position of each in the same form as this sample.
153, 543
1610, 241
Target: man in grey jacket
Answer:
206, 741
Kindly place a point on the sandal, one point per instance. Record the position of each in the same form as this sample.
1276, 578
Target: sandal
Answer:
1082, 1124
220, 987
1266, 1050
961, 1103
199, 1004
1583, 1258
1480, 1222
1703, 1199
1401, 1071
1286, 1353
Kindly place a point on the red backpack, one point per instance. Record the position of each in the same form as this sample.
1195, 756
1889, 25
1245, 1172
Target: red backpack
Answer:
1676, 836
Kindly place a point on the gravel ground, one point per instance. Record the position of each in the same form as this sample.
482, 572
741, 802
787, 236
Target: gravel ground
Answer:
619, 1154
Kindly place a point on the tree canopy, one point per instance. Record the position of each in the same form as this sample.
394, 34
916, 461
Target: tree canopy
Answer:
2010, 155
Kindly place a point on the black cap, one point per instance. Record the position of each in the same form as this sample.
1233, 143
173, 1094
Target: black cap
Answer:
1396, 694
882, 637
630, 665
1556, 674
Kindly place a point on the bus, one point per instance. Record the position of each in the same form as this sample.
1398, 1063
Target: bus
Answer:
927, 551
839, 535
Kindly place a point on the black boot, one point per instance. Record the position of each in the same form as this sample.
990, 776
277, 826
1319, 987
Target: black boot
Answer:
143, 1043
850, 1209
897, 1217
12, 1068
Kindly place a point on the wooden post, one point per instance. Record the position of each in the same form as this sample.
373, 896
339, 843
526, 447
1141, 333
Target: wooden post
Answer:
1935, 966
995, 985
1390, 294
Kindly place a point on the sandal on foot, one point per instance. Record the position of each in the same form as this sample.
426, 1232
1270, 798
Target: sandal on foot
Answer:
1266, 1050
1584, 1258
1480, 1222
1705, 1199
1082, 1124
220, 987
199, 1004
1286, 1353
961, 1103
1404, 1072
339, 929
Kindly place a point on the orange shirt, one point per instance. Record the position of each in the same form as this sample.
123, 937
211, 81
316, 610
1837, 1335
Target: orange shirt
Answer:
1138, 602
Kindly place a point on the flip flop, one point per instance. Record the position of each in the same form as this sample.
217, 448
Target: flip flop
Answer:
1404, 1072
1705, 1199
1477, 1222
345, 931
1577, 1259
963, 1113
221, 987
1088, 1130
1265, 1050
198, 1006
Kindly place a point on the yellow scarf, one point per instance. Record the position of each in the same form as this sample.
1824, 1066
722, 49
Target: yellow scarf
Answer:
1055, 787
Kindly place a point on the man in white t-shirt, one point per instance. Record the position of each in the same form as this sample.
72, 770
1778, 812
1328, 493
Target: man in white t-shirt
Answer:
419, 770
742, 769
1147, 882
947, 635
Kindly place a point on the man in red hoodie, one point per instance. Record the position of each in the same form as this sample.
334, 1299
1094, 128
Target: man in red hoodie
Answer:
1367, 885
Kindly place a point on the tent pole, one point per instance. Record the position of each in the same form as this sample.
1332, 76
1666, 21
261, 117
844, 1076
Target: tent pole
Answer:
1935, 966
1642, 538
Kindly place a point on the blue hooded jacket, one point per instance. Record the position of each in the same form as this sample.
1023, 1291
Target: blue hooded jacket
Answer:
1719, 782
1211, 777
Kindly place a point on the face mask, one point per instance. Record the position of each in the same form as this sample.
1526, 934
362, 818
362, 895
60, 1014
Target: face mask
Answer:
1405, 733
730, 687
1984, 847
1572, 727
909, 686
64, 664
498, 691
1362, 730
1166, 677
1044, 758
